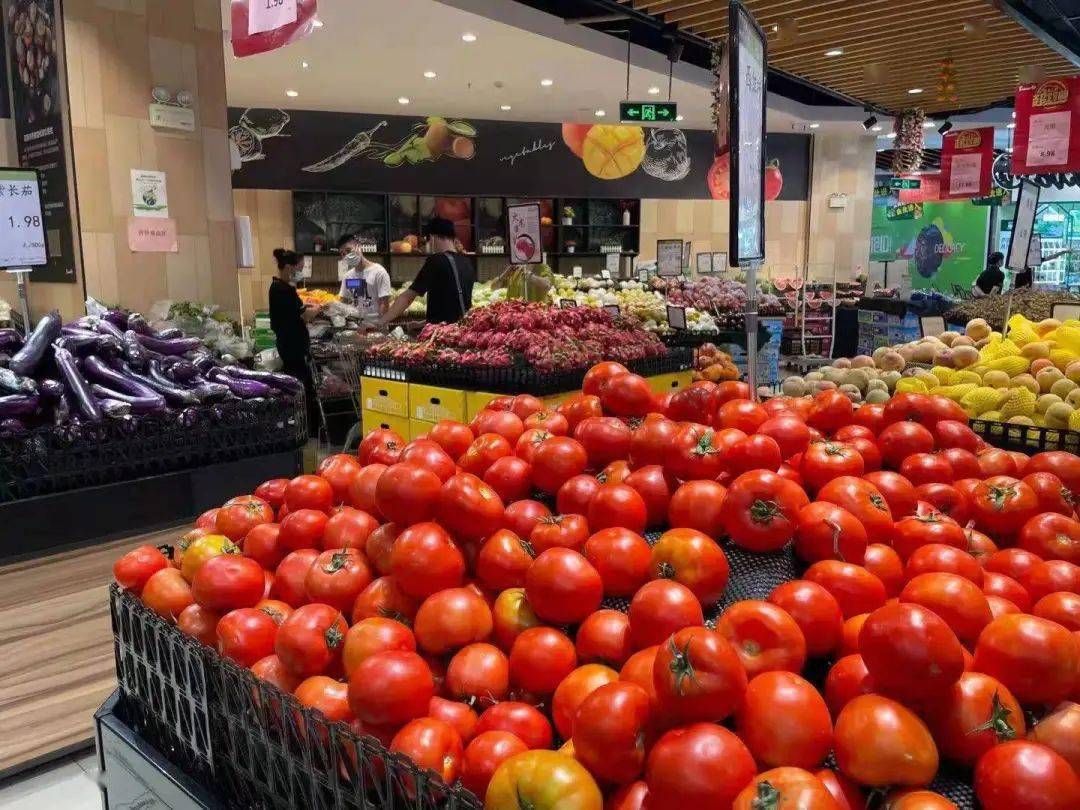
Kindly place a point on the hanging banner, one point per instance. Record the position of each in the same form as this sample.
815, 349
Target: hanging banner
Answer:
259, 26
1047, 127
746, 76
967, 160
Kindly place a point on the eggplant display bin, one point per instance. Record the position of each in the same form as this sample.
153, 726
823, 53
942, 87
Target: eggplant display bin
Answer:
255, 746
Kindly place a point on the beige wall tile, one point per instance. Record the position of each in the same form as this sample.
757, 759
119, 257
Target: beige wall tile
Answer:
91, 261
207, 15
171, 18
92, 171
181, 159
181, 275
125, 66
147, 145
223, 259
106, 257
218, 175
78, 34
122, 141
210, 98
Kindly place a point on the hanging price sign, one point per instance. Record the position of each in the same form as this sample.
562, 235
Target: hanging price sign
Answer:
1047, 127
269, 15
967, 158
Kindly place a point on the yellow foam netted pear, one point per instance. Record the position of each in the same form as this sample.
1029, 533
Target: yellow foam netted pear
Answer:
983, 399
957, 392
911, 385
1021, 330
945, 375
1018, 402
1067, 337
990, 416
997, 347
1011, 365
1062, 357
964, 377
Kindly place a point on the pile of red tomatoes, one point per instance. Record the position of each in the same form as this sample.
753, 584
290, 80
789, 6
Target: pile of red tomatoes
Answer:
423, 594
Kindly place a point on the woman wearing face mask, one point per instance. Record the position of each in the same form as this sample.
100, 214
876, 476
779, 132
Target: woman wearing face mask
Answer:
446, 279
288, 317
365, 284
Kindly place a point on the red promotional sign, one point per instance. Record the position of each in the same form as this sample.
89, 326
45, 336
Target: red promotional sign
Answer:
967, 158
1047, 127
259, 26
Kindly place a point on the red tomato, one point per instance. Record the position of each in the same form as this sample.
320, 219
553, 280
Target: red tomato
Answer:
784, 721
556, 461
698, 505
649, 441
525, 405
847, 679
483, 452
246, 635
871, 417
832, 410
453, 437
432, 745
391, 688
1065, 466
424, 560
885, 564
469, 509
380, 545
200, 623
310, 639
289, 577
346, 528
617, 505
1001, 505
340, 470
695, 403
483, 756
604, 637
337, 577
958, 601
325, 695
1051, 576
604, 438
562, 587
652, 485
902, 439
271, 670
1061, 607
1013, 562
302, 528
826, 531
362, 489
1006, 587
757, 452
975, 714
693, 453
1060, 730
510, 616
765, 637
899, 493
610, 726
849, 638
1052, 536
910, 652
380, 446
207, 520
631, 796
869, 452
912, 533
879, 743
1025, 774
1052, 494
951, 433
383, 597
761, 510
994, 462
639, 669
273, 492
908, 407
743, 414
698, 677
374, 635
559, 531
510, 477
622, 558
659, 609
815, 611
308, 492
789, 431
936, 557
692, 559
580, 407
572, 691
549, 422
626, 395
525, 447
240, 515
430, 455
702, 765
946, 499
503, 423
520, 719
575, 495
855, 589
137, 566
228, 582
599, 375
478, 674
458, 715
521, 516
845, 793
451, 619
927, 468
1036, 659
864, 501
503, 560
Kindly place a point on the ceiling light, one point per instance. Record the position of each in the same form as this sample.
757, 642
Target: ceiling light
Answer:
304, 65
1012, 125
945, 127
870, 122
546, 82
317, 23
430, 74
505, 108
815, 125
653, 91
891, 135
834, 52
876, 128
600, 113
914, 91
927, 124
402, 100
678, 118
468, 37
291, 93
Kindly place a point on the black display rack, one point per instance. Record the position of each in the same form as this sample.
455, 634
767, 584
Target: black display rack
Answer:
1026, 438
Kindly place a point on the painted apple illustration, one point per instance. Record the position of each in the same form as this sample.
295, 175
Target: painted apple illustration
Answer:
719, 178
774, 180
574, 135
525, 246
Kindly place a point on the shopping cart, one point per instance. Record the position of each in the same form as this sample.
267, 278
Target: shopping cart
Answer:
335, 370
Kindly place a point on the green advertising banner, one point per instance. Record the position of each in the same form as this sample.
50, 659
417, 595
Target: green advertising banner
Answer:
944, 243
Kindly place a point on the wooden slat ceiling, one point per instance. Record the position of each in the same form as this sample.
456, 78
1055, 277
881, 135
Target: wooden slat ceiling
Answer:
889, 46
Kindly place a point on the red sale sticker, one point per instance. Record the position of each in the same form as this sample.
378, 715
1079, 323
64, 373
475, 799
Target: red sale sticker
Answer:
1047, 129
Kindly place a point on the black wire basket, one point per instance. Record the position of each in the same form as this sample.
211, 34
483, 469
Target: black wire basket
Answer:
54, 459
256, 746
1026, 438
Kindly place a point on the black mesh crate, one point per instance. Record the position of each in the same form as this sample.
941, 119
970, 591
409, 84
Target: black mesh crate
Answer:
255, 745
1028, 439
53, 459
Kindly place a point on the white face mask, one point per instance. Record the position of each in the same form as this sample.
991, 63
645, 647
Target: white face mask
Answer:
352, 259
298, 274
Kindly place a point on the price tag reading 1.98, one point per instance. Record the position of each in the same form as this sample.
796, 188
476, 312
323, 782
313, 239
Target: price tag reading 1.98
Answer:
22, 226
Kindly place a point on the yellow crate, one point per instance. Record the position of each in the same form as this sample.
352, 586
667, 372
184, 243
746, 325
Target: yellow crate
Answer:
418, 428
385, 396
431, 403
555, 400
375, 419
663, 383
476, 401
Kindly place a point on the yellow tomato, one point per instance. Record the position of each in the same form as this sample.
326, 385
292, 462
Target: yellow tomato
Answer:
542, 780
203, 549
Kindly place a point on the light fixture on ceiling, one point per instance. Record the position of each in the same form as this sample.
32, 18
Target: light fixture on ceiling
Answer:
1012, 125
815, 125
945, 127
678, 118
600, 113
468, 36
402, 100
654, 91
547, 82
869, 122
928, 124
291, 93
505, 108
304, 65
876, 128
430, 74
891, 135
914, 91
316, 23
834, 52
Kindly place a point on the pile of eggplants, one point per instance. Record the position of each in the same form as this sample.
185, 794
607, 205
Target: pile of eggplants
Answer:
118, 367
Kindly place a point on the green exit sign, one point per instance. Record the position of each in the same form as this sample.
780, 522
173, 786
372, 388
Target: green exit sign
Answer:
904, 182
644, 112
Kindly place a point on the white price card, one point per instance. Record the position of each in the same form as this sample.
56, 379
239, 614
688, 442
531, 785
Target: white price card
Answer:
305, 270
676, 317
576, 272
566, 303
612, 309
611, 262
1048, 139
269, 15
643, 276
966, 176
606, 275
22, 223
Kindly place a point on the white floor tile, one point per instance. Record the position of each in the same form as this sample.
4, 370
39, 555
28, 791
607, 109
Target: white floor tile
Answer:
65, 785
89, 763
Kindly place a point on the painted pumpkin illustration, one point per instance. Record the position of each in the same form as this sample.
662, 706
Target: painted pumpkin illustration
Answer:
611, 152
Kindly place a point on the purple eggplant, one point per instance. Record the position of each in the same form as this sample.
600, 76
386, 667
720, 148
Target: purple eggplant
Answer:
101, 372
27, 359
245, 389
139, 404
12, 383
210, 392
174, 394
104, 327
52, 390
134, 352
204, 361
137, 323
189, 417
10, 340
174, 346
12, 425
117, 317
282, 382
170, 334
109, 346
18, 405
182, 371
79, 340
76, 386
61, 412
114, 408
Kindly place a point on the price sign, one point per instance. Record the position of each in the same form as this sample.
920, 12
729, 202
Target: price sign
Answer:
1047, 127
669, 257
576, 272
606, 275
643, 276
967, 158
676, 317
719, 262
747, 72
22, 223
566, 303
704, 263
611, 262
612, 309
523, 225
269, 15
1023, 227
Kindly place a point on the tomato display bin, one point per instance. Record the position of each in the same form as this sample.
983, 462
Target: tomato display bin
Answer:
256, 746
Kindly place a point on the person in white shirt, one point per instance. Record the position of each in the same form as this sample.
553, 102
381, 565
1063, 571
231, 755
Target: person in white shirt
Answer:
365, 284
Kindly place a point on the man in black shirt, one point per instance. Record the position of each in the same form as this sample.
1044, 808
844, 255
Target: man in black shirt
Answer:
446, 279
992, 279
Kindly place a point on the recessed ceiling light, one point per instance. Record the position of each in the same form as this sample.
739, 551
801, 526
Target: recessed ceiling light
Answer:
304, 65
678, 118
914, 91
505, 108
468, 37
402, 100
430, 74
834, 52
546, 82
1012, 125
927, 124
876, 128
600, 113
654, 91
815, 125
291, 93
317, 23
891, 135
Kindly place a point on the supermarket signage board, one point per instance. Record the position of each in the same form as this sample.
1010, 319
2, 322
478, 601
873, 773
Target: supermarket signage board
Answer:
523, 222
997, 196
669, 257
22, 222
904, 182
967, 161
1047, 135
642, 112
676, 317
747, 69
1023, 227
